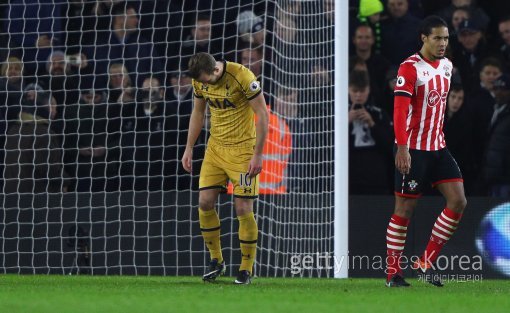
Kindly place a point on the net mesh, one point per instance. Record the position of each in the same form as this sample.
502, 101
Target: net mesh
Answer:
95, 105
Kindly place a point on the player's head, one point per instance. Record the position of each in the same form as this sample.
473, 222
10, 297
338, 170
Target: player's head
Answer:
434, 35
202, 67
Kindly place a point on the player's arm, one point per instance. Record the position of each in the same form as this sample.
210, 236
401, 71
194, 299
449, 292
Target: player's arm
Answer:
195, 128
400, 112
258, 105
404, 89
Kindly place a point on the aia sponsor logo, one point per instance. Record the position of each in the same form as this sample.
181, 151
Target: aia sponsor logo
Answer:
434, 98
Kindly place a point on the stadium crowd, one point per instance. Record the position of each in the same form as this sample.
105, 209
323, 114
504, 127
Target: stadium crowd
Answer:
477, 122
106, 83
94, 95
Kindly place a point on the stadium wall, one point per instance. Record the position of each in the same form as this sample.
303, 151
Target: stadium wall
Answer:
149, 234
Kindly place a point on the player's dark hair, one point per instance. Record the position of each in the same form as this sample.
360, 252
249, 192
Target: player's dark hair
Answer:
432, 21
201, 63
359, 79
491, 61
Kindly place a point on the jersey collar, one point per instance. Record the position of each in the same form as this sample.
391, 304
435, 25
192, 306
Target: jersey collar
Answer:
434, 64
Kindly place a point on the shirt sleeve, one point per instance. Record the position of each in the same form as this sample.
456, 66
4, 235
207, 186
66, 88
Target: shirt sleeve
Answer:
249, 84
196, 89
406, 80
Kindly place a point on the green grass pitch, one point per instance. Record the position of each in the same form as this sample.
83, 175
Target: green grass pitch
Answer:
189, 294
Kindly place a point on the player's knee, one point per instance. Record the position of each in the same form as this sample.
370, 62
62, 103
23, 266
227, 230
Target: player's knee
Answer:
457, 204
405, 207
206, 204
404, 212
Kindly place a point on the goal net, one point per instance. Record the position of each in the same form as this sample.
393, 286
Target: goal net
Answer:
95, 103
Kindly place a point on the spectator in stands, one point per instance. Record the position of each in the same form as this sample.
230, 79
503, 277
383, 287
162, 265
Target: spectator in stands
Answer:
399, 30
179, 107
356, 63
251, 28
125, 45
370, 14
447, 12
36, 29
504, 31
459, 15
85, 139
377, 65
121, 117
120, 86
11, 90
481, 101
32, 153
103, 12
151, 141
81, 25
62, 79
200, 40
497, 156
252, 59
458, 130
471, 51
370, 140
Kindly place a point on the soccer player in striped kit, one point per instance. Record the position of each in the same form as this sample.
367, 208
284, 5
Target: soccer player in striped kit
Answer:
421, 156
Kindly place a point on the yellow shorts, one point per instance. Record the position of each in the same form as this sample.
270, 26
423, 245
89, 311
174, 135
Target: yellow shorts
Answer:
228, 163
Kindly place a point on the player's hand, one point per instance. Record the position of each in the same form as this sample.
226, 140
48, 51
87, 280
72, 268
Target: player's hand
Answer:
255, 166
186, 159
403, 160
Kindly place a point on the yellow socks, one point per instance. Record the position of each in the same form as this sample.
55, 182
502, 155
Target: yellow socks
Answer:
248, 233
210, 227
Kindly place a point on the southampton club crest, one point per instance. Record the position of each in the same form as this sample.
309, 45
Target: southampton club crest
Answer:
412, 185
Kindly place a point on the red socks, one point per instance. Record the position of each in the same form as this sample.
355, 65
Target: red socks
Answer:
395, 241
443, 229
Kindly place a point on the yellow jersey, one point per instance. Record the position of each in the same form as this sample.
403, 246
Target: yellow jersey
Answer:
232, 118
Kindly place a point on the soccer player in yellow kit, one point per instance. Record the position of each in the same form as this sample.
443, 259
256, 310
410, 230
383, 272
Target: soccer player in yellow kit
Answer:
234, 153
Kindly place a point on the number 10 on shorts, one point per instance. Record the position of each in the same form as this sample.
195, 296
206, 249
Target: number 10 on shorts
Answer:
244, 180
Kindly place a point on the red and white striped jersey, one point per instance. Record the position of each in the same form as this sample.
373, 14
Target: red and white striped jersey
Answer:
427, 84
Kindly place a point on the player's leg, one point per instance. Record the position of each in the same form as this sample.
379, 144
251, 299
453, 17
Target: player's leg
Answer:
447, 222
248, 235
407, 191
396, 234
246, 190
448, 180
212, 182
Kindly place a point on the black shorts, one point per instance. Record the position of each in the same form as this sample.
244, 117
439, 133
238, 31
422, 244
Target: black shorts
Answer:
434, 167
